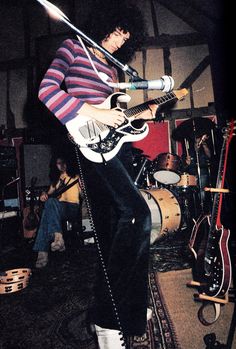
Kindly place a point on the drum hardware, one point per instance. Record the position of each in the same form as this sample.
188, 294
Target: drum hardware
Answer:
191, 130
188, 200
143, 177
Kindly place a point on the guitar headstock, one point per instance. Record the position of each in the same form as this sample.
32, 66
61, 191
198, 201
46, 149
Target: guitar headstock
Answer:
180, 94
229, 130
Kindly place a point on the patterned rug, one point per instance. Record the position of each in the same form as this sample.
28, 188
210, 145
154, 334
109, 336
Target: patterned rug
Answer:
52, 312
160, 330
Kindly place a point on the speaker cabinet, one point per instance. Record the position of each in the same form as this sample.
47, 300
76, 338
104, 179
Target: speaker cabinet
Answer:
36, 163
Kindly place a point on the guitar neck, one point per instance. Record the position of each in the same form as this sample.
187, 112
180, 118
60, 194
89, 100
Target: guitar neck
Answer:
215, 225
229, 132
62, 190
217, 203
145, 106
217, 196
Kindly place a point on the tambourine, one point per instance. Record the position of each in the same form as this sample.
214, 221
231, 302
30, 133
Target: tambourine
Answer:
14, 280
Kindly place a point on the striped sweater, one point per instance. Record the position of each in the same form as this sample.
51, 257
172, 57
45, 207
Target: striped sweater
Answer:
71, 65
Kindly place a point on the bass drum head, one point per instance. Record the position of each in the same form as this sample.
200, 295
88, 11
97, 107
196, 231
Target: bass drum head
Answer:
165, 212
155, 215
166, 177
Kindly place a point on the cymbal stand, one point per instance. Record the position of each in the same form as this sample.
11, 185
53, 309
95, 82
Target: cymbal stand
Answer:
142, 169
186, 143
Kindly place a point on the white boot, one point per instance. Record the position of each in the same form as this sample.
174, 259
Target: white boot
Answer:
149, 314
108, 339
111, 339
142, 338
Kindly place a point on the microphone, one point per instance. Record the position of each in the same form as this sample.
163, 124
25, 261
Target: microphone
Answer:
165, 84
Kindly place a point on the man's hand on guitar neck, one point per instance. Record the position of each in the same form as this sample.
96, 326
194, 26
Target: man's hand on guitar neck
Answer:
148, 114
110, 117
44, 195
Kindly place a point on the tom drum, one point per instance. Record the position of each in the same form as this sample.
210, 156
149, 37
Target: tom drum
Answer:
187, 180
167, 168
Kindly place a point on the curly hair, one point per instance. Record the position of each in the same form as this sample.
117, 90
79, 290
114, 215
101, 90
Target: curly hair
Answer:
106, 16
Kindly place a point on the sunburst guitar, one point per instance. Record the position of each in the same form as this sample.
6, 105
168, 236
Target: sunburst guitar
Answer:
99, 142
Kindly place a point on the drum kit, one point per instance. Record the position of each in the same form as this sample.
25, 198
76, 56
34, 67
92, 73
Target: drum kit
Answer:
166, 191
170, 193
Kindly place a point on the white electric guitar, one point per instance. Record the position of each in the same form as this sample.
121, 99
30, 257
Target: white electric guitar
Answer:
99, 142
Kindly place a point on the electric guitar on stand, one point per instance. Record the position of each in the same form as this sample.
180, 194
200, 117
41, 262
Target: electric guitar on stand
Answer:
213, 265
99, 142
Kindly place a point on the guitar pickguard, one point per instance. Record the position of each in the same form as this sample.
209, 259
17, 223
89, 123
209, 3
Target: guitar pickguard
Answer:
113, 138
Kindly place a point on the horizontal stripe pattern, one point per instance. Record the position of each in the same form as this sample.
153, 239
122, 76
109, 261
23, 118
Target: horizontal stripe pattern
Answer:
72, 65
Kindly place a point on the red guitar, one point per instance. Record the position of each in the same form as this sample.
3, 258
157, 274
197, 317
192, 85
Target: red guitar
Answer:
213, 266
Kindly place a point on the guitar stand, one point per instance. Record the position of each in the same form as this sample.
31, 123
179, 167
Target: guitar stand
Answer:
208, 300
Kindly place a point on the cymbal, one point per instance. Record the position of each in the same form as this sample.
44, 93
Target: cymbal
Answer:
193, 128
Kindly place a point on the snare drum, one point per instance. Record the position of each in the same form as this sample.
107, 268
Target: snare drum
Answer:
167, 168
187, 180
165, 212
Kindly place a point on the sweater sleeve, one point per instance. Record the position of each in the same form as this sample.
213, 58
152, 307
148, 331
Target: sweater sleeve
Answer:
60, 103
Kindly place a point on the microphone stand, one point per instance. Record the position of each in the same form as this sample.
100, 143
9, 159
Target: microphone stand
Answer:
198, 166
127, 69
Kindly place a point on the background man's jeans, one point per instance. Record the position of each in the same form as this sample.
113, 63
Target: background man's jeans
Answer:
54, 213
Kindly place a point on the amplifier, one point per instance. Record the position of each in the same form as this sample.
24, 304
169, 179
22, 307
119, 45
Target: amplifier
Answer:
8, 157
8, 163
37, 163
7, 152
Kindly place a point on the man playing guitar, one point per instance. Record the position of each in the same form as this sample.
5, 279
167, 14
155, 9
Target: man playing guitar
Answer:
125, 247
56, 209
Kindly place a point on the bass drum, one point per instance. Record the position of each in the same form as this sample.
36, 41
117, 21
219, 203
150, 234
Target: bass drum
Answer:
165, 212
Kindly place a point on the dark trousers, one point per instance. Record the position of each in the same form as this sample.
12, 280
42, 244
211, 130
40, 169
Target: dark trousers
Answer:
123, 223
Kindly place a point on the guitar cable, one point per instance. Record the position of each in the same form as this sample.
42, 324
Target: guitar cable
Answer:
102, 76
88, 206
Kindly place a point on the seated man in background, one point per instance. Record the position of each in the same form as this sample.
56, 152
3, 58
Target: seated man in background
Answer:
61, 202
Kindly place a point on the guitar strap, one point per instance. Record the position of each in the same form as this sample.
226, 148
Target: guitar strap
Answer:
201, 315
62, 183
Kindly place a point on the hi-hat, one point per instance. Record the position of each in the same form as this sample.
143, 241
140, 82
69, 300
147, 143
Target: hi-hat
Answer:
192, 128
